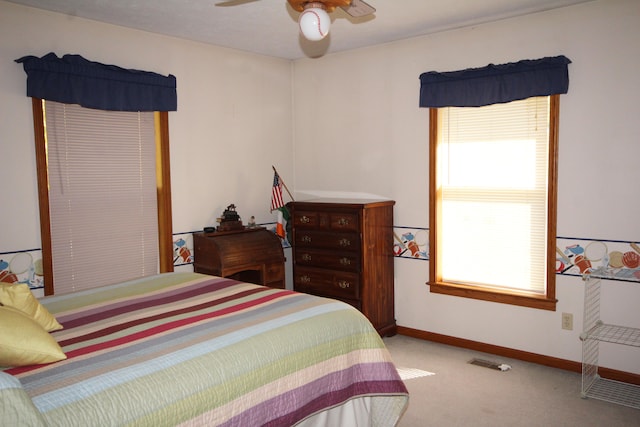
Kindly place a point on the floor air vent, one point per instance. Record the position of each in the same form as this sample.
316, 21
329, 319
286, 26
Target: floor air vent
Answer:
489, 364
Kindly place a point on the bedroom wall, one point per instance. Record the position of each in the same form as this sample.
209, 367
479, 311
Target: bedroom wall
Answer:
358, 128
233, 120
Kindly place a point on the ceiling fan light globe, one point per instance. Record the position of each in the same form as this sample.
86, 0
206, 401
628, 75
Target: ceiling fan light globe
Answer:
314, 23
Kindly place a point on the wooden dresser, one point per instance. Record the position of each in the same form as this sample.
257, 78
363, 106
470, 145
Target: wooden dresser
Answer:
251, 255
343, 249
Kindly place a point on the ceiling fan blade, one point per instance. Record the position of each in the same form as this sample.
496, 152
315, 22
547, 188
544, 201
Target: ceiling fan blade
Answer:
233, 2
359, 8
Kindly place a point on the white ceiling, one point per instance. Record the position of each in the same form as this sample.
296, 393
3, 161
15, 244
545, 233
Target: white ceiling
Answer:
269, 27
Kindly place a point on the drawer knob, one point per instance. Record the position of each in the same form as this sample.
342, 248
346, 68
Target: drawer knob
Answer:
343, 221
344, 242
305, 279
306, 239
306, 257
344, 284
305, 219
345, 261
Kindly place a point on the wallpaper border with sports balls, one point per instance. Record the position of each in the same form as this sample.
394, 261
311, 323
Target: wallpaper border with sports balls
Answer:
608, 259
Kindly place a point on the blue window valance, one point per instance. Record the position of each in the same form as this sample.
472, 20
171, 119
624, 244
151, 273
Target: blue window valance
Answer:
73, 79
493, 84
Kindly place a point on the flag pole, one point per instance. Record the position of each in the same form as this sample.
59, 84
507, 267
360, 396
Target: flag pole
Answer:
283, 184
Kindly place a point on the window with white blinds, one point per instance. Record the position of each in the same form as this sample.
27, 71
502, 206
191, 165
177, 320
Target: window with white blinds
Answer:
491, 196
102, 195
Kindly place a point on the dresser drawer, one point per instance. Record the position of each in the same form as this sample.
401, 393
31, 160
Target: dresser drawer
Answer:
333, 221
310, 219
337, 284
344, 221
348, 261
320, 239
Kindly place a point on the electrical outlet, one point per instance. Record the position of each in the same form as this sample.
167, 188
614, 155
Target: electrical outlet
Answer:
567, 321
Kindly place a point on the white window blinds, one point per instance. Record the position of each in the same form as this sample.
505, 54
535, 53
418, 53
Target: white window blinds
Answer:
492, 181
102, 195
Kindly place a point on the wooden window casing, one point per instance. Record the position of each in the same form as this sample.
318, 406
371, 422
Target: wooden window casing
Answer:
545, 300
163, 184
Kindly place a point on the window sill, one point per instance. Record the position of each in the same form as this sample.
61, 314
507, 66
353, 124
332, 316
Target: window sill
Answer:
486, 294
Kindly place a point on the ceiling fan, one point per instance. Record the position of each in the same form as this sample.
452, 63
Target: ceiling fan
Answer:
314, 20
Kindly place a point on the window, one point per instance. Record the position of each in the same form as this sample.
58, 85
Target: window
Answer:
104, 195
493, 201
104, 92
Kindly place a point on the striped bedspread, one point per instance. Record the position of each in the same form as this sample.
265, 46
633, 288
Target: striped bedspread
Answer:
190, 349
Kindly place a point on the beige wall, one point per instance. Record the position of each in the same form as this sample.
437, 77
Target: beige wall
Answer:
350, 123
233, 120
358, 128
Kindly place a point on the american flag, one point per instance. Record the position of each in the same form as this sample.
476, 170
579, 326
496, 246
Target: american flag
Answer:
276, 193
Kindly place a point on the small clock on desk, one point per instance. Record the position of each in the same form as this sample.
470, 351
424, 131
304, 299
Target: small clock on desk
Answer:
230, 220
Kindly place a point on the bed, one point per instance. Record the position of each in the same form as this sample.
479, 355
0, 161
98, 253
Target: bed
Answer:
191, 349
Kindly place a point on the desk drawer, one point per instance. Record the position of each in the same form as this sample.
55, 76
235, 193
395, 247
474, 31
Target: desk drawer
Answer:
274, 272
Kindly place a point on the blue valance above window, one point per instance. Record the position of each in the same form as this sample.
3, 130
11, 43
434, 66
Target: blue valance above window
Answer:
493, 84
73, 79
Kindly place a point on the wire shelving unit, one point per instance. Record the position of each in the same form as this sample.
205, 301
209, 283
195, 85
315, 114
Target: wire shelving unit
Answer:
594, 332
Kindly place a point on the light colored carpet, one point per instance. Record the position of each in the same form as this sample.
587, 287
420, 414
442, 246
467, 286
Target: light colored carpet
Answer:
411, 373
463, 394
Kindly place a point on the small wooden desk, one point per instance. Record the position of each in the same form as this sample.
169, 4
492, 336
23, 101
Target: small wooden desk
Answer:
253, 255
